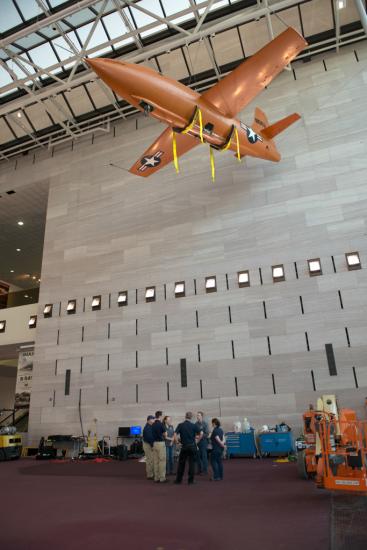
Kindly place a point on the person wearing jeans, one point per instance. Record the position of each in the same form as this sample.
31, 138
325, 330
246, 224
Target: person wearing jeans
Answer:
187, 432
202, 454
217, 440
169, 445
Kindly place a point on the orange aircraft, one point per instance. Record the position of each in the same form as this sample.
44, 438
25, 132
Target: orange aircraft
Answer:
195, 118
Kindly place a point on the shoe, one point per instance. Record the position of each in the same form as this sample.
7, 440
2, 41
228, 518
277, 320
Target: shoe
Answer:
164, 481
150, 478
156, 481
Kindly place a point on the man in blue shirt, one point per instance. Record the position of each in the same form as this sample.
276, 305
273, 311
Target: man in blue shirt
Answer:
202, 456
159, 449
148, 441
188, 434
217, 439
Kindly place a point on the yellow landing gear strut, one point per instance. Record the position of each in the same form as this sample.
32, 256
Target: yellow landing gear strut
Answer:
198, 116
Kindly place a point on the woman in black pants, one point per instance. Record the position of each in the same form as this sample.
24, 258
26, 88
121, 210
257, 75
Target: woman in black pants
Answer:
217, 439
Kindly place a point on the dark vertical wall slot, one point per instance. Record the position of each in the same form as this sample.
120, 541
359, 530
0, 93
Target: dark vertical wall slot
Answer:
197, 318
60, 309
355, 377
333, 262
56, 367
301, 304
165, 291
67, 382
84, 305
295, 269
340, 299
264, 308
108, 330
269, 346
136, 359
137, 393
107, 395
54, 398
232, 344
236, 385
165, 323
273, 380
227, 281
58, 337
347, 335
201, 389
82, 334
331, 359
108, 361
199, 354
261, 276
109, 300
313, 380
136, 296
229, 314
167, 391
195, 286
166, 356
183, 372
81, 364
136, 327
307, 342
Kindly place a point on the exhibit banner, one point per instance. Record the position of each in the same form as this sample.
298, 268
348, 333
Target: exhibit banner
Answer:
24, 385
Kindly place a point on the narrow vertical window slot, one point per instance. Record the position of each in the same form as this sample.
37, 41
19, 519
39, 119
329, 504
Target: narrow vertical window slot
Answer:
108, 361
83, 334
165, 323
108, 331
136, 296
166, 356
81, 364
58, 337
227, 285
301, 304
313, 380
56, 367
229, 314
269, 346
54, 398
136, 327
307, 342
137, 393
264, 308
236, 385
233, 354
261, 276
347, 335
295, 269
84, 305
331, 359
199, 355
136, 359
273, 380
167, 391
165, 291
183, 372
333, 262
201, 389
107, 395
340, 299
195, 287
67, 382
197, 318
355, 377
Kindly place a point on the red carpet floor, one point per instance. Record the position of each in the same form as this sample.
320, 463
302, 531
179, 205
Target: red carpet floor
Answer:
77, 506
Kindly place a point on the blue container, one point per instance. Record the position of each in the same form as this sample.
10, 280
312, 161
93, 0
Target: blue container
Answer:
241, 444
276, 443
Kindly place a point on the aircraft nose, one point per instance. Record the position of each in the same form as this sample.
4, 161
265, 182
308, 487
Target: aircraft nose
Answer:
103, 66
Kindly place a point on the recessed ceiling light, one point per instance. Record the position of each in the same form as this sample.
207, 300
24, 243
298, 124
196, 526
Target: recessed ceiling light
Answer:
25, 295
20, 222
19, 114
18, 249
341, 4
12, 271
34, 277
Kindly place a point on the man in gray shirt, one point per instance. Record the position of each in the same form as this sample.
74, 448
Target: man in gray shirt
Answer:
202, 456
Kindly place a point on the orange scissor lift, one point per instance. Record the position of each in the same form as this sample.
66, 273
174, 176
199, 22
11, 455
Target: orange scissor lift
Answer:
333, 449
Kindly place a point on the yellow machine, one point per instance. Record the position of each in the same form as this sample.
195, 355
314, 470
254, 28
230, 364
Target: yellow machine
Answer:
10, 443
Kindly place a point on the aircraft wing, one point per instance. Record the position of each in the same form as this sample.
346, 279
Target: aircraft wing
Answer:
238, 88
160, 153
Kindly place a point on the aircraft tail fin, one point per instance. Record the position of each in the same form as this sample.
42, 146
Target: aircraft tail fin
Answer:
270, 131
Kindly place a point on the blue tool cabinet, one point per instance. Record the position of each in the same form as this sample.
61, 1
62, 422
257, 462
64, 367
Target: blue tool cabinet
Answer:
276, 443
241, 444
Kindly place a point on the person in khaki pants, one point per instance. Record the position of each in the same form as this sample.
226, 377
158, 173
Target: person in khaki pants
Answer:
159, 449
148, 442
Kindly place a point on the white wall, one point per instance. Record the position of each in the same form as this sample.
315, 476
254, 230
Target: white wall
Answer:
8, 377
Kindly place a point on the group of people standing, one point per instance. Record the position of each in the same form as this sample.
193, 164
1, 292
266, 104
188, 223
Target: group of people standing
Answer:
160, 439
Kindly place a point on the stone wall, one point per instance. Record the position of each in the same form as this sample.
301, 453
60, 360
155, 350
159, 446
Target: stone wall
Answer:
255, 351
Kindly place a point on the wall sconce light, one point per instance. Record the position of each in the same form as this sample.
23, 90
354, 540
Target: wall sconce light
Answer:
71, 307
180, 289
211, 284
96, 303
278, 273
32, 323
314, 267
2, 326
150, 294
47, 310
353, 260
243, 278
122, 298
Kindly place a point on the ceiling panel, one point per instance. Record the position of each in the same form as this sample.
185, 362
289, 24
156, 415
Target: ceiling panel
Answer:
99, 97
5, 133
20, 125
317, 16
58, 108
198, 58
348, 14
79, 100
38, 116
289, 18
173, 64
227, 47
254, 36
